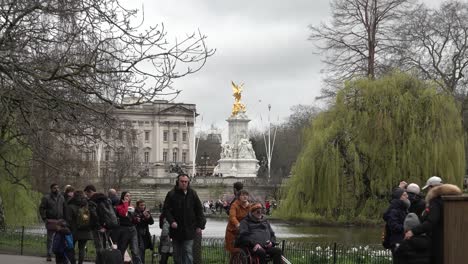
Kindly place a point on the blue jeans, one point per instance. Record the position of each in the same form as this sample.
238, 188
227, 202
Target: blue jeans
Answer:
182, 251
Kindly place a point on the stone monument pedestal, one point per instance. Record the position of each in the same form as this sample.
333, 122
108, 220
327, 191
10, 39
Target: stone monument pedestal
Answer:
237, 155
238, 167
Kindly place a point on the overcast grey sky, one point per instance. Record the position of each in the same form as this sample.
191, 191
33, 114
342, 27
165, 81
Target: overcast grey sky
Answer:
261, 43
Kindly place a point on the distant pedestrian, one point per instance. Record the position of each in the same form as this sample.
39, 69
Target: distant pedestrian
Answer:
433, 219
267, 207
62, 245
78, 217
143, 220
165, 245
51, 210
103, 217
128, 236
183, 210
113, 196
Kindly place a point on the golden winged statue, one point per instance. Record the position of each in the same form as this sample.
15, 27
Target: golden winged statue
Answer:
237, 106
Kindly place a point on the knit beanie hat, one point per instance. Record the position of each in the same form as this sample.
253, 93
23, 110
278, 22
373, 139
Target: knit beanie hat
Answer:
411, 221
413, 188
255, 207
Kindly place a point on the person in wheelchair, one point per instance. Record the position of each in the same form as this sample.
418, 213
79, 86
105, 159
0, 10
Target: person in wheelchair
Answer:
255, 233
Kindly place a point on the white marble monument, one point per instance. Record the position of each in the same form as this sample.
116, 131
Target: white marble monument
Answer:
237, 155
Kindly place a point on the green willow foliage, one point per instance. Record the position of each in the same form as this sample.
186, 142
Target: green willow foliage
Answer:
378, 133
20, 202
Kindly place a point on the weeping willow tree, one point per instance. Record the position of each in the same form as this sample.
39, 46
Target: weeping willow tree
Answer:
19, 203
378, 133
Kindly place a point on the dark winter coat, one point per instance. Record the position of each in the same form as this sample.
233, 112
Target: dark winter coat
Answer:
253, 231
186, 210
433, 219
416, 250
52, 206
92, 203
417, 205
394, 218
72, 215
142, 226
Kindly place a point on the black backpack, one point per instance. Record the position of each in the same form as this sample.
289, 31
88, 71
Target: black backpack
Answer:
106, 214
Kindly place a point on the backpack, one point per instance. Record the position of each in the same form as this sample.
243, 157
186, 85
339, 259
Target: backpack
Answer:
83, 218
386, 237
69, 241
106, 214
62, 242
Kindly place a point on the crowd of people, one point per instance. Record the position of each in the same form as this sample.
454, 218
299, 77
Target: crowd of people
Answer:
413, 229
117, 226
414, 225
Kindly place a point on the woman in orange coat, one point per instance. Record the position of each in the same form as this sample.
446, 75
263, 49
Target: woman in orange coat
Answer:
239, 209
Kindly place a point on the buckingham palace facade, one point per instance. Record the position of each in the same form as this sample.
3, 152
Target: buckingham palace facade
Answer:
157, 139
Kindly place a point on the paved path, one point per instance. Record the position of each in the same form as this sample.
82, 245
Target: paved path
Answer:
17, 259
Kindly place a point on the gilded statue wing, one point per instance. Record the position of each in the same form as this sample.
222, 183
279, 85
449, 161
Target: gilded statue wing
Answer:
236, 88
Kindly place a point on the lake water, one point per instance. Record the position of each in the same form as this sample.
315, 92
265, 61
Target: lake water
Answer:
216, 228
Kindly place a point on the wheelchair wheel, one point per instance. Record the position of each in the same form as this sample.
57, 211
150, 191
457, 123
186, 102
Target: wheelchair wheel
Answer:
243, 257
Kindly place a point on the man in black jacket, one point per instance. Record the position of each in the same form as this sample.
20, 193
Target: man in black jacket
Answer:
183, 210
51, 209
98, 228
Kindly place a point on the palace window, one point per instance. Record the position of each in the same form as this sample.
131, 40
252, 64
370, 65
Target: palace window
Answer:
184, 136
165, 135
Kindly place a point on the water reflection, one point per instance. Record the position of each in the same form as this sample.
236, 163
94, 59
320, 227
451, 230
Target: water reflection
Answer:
345, 235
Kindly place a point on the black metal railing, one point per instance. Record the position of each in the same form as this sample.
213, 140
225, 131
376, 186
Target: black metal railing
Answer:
31, 241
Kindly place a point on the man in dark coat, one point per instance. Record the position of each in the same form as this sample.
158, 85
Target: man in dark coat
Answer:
395, 216
97, 229
183, 210
255, 233
433, 219
51, 210
76, 213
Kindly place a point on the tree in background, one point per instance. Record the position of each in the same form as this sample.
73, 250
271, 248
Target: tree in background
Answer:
288, 143
208, 151
378, 133
434, 43
357, 40
66, 65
